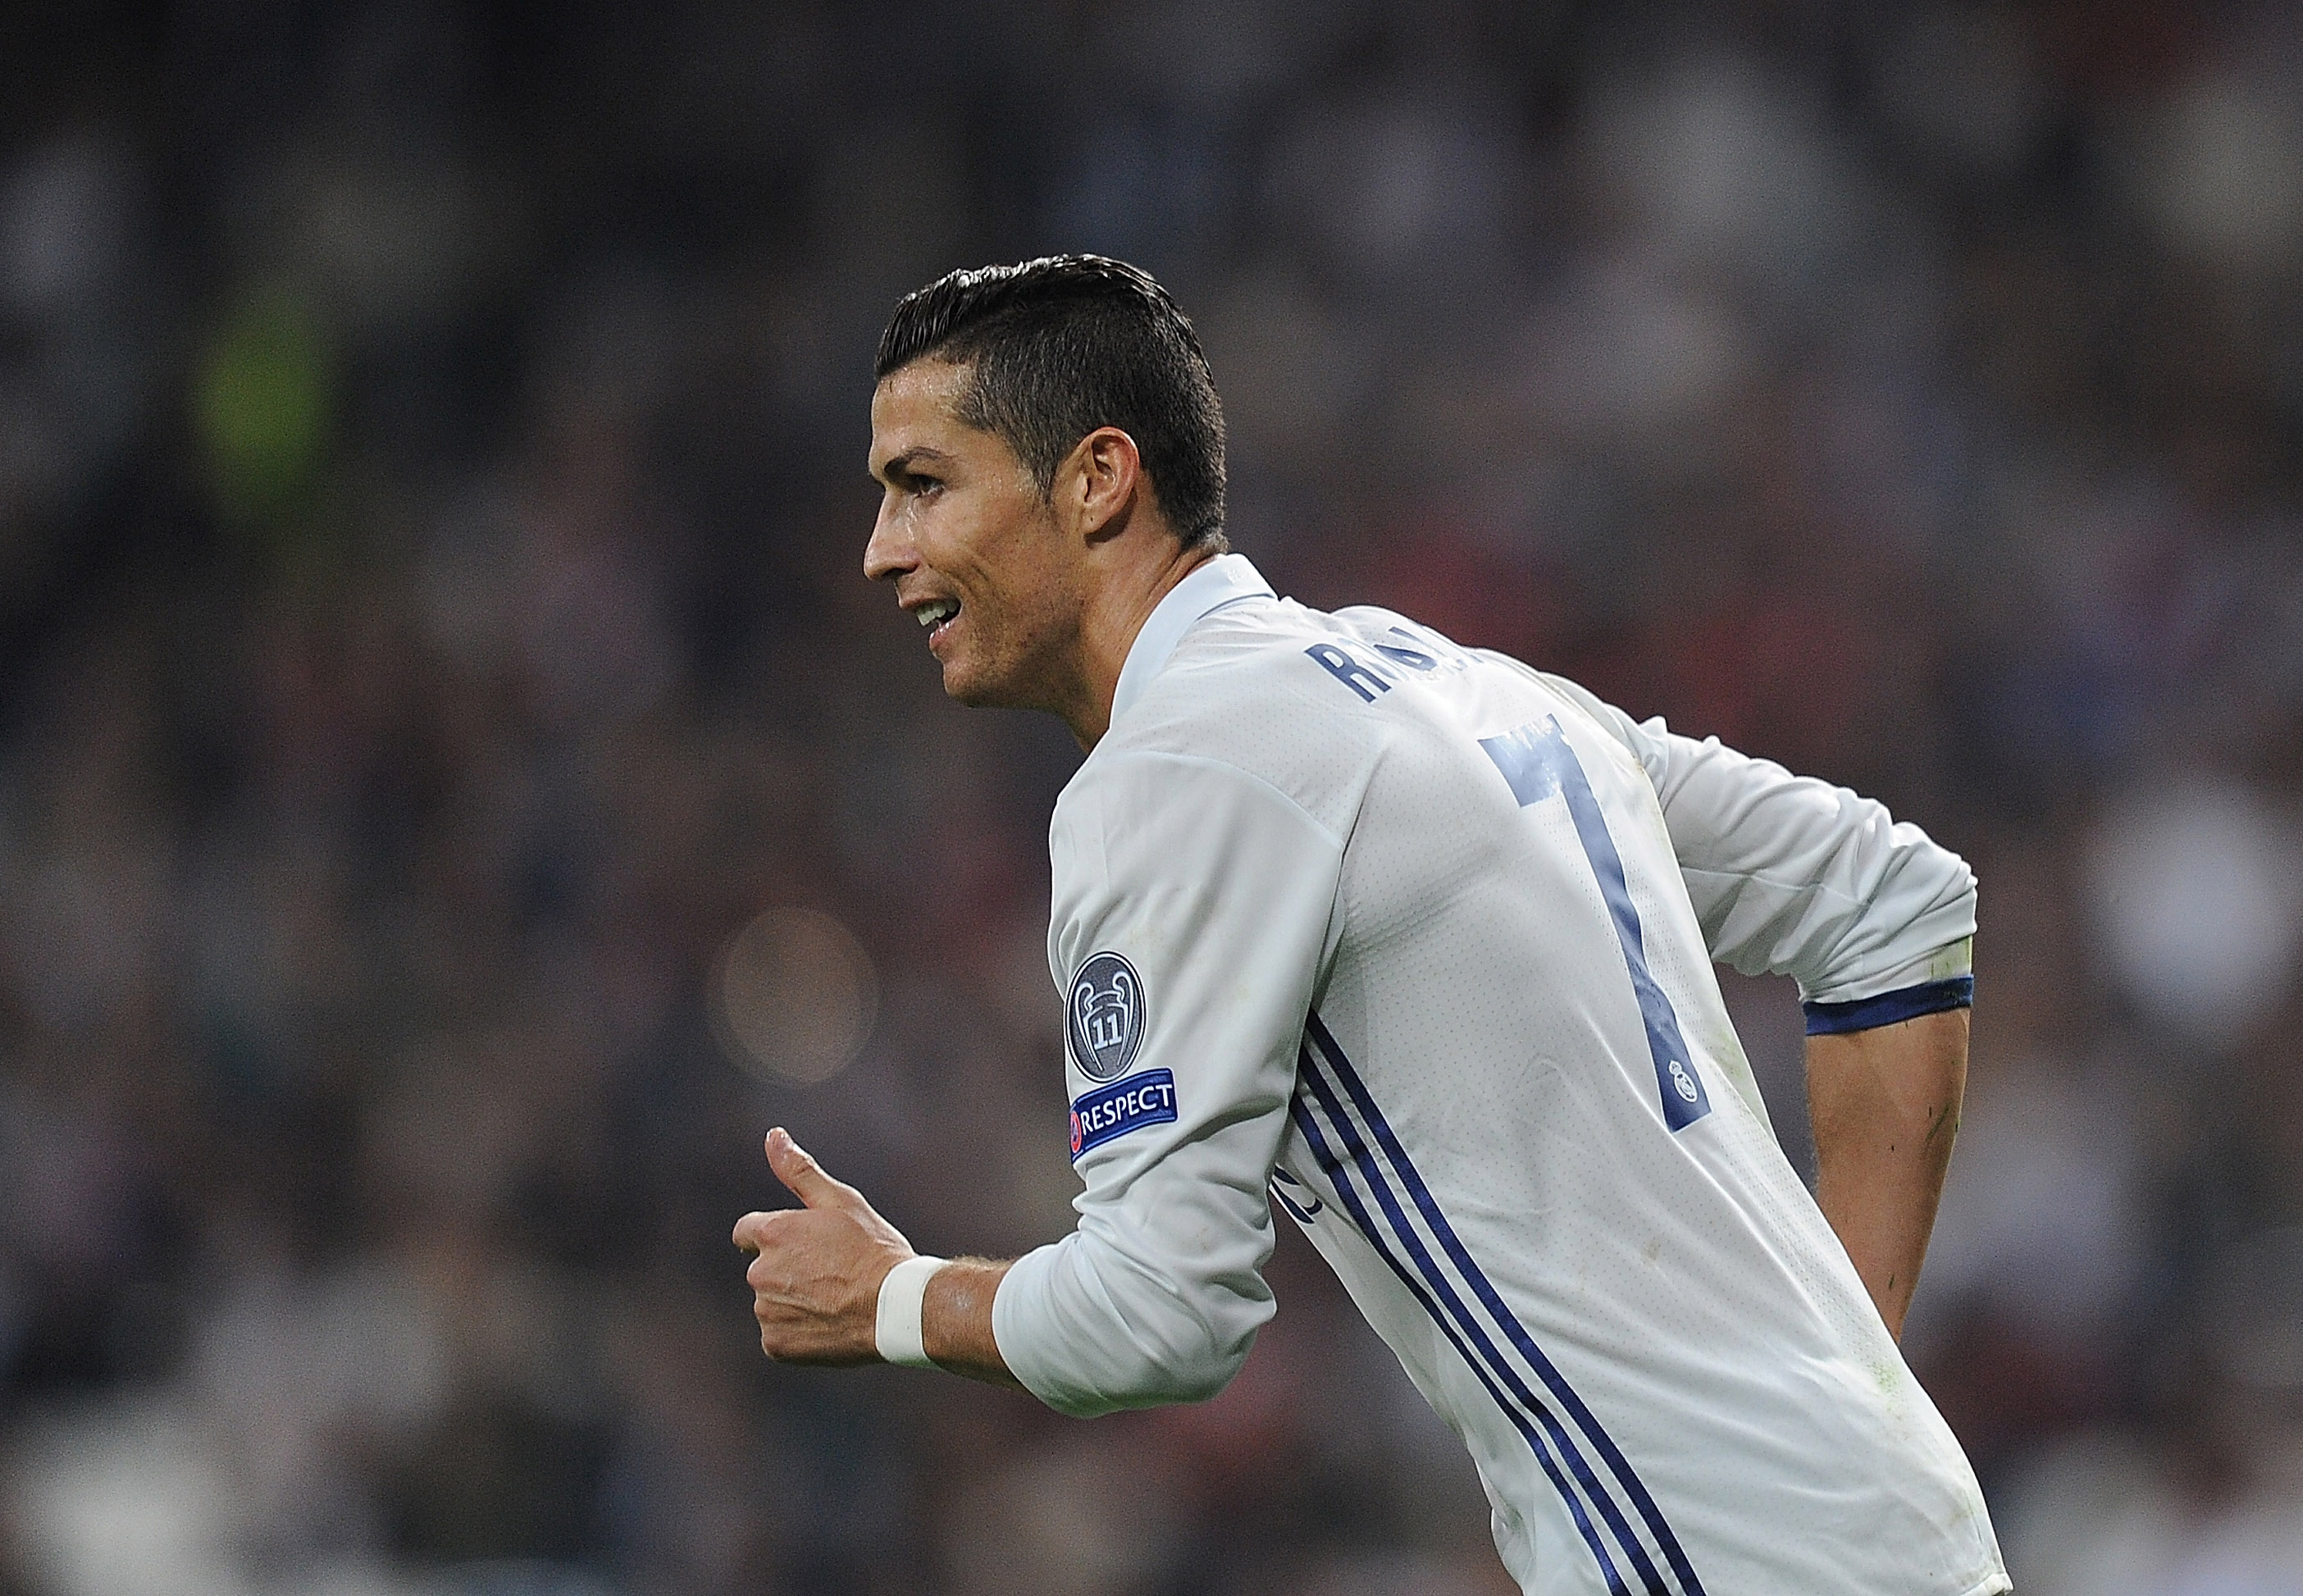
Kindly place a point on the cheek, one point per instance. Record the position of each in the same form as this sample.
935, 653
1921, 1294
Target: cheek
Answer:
987, 577
943, 534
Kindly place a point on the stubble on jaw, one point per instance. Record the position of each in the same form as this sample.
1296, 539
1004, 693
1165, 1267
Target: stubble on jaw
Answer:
1023, 663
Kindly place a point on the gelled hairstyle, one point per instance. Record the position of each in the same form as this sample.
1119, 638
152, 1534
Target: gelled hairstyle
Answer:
1059, 346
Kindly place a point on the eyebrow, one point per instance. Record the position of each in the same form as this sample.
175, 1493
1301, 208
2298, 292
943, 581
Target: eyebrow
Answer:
900, 465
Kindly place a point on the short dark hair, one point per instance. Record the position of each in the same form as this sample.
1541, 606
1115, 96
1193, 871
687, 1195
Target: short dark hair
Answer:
1065, 344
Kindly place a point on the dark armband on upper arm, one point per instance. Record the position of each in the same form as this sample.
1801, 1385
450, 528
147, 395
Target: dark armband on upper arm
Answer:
1890, 1008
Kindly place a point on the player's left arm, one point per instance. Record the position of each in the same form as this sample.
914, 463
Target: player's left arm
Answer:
1885, 1104
1791, 876
1875, 921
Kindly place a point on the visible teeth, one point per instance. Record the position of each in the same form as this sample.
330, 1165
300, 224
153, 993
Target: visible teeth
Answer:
935, 611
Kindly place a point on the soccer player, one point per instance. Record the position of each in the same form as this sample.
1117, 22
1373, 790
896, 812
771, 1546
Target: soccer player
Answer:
1415, 942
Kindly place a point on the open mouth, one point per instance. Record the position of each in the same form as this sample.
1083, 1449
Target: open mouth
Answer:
935, 615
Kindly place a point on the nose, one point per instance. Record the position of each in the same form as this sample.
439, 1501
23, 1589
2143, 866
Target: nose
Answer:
890, 553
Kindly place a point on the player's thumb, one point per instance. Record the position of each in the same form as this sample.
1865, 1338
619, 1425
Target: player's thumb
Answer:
805, 1177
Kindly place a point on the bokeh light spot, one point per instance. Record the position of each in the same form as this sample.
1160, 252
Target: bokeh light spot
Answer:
261, 406
2194, 889
795, 995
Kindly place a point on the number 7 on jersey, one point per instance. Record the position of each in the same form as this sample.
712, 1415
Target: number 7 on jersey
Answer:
1538, 762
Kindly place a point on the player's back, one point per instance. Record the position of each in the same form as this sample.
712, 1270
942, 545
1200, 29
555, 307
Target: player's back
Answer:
1526, 1138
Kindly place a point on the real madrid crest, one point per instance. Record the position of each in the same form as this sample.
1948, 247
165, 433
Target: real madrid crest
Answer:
1104, 1016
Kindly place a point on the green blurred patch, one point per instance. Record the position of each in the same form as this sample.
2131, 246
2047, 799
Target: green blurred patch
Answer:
263, 406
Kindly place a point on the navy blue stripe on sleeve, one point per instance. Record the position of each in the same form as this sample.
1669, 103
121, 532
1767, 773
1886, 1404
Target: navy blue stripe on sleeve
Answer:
1889, 1007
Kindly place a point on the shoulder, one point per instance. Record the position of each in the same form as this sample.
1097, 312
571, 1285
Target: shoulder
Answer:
1247, 689
1240, 713
1259, 661
1223, 768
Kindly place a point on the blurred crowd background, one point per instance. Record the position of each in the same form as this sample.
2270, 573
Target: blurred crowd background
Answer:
457, 789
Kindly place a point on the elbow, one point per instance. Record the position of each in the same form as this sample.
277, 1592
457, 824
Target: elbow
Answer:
1094, 1324
1961, 887
1918, 930
1950, 906
1184, 1357
1204, 1375
1161, 1352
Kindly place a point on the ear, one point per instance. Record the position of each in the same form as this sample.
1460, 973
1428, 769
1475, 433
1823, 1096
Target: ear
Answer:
1100, 484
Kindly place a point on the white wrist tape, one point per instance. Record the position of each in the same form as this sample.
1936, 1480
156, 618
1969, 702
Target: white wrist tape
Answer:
902, 1294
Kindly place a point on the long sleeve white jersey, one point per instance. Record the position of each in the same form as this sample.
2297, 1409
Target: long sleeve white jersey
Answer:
1418, 941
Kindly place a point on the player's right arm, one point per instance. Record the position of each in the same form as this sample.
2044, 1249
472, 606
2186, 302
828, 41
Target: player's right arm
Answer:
1217, 892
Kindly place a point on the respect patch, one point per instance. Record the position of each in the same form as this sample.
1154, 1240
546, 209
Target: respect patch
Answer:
1114, 1110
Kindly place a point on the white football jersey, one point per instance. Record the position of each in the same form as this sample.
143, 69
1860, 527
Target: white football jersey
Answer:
1419, 941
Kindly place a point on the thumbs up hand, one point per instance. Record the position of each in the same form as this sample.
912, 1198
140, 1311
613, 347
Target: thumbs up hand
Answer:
816, 1270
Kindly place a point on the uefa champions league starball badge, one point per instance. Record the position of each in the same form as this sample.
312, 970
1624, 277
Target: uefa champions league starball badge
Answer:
1104, 1017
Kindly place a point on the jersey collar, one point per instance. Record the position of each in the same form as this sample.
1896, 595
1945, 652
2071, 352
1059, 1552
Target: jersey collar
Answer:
1226, 580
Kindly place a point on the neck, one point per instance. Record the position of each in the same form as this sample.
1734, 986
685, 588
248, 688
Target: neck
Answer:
1115, 613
